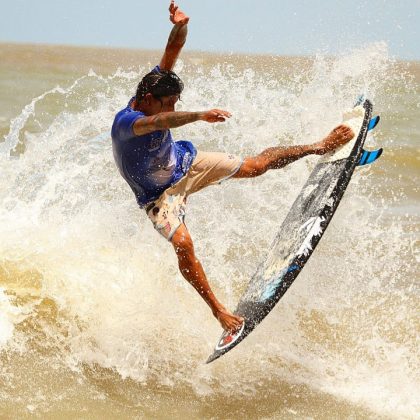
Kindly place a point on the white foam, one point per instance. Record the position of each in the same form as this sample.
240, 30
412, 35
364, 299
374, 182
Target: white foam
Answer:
9, 316
116, 283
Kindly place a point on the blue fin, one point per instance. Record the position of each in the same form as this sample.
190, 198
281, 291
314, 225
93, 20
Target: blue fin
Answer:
373, 122
369, 157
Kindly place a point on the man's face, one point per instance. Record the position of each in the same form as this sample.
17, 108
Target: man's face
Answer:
161, 104
167, 103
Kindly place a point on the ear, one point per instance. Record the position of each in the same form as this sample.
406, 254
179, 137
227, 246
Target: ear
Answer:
148, 98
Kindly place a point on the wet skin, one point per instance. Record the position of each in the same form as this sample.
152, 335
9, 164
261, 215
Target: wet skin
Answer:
160, 115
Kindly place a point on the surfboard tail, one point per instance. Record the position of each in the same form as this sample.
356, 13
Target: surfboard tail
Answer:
229, 340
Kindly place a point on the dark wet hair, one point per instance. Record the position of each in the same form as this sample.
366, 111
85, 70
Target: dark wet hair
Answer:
159, 83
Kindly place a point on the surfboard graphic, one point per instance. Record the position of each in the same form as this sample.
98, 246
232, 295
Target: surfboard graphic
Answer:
302, 228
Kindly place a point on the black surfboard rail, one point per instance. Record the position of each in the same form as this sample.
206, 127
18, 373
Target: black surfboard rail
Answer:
312, 212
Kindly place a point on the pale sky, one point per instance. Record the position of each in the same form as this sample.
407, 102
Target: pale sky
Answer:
294, 27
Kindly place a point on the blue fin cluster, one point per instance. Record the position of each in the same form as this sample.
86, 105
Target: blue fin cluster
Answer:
370, 156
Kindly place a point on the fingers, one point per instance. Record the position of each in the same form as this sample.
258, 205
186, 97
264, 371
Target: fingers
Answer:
177, 16
172, 7
215, 115
217, 118
221, 115
172, 10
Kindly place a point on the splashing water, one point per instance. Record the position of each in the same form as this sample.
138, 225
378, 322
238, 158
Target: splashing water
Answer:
88, 288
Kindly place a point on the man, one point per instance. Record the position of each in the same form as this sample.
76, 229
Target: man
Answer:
163, 173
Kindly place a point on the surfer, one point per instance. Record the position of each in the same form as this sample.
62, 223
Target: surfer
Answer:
162, 173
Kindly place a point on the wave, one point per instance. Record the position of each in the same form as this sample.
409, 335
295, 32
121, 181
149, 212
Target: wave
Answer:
90, 290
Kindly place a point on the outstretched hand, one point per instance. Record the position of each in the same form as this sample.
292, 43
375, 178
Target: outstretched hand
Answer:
176, 16
215, 115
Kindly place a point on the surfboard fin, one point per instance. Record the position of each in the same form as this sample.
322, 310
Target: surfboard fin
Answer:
369, 157
373, 122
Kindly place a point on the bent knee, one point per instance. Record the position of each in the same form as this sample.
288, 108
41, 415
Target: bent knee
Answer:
182, 242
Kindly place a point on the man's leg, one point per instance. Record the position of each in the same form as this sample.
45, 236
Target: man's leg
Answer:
278, 157
193, 272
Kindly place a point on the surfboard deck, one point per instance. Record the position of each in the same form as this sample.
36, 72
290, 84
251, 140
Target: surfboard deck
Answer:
301, 230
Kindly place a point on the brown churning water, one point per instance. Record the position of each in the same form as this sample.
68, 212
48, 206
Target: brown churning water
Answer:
95, 320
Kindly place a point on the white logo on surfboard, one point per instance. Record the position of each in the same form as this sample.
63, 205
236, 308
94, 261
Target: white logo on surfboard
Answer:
313, 228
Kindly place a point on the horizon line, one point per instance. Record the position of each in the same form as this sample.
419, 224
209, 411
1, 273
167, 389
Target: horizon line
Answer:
186, 51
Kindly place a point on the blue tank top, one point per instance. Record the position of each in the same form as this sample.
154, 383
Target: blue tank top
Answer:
150, 163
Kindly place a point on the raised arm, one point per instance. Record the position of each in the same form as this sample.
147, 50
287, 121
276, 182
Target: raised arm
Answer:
177, 37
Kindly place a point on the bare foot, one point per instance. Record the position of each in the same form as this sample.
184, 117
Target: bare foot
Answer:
339, 136
229, 321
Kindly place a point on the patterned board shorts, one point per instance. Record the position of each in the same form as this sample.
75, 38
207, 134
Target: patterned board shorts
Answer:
167, 213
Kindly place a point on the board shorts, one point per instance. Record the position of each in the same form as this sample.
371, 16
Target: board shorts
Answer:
167, 213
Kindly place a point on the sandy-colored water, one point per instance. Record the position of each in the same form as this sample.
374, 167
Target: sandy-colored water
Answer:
95, 320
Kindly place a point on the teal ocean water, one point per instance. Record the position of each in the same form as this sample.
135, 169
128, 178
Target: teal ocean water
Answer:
95, 320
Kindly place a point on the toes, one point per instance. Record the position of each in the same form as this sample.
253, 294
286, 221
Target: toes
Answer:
345, 130
349, 132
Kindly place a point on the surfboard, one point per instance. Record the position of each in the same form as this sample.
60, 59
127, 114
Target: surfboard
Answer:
303, 227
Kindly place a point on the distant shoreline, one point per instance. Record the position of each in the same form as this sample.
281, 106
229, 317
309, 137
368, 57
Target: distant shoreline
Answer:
82, 58
128, 50
186, 53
